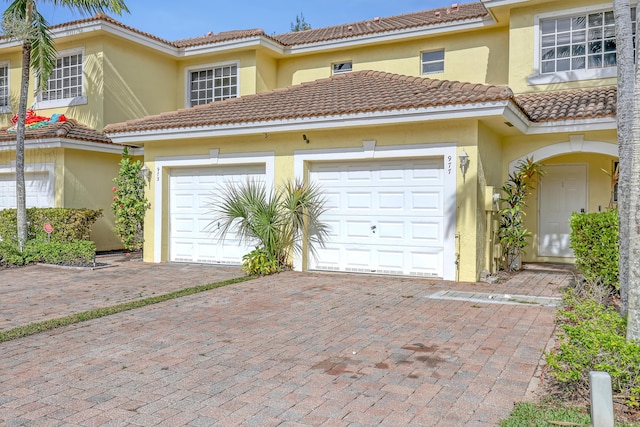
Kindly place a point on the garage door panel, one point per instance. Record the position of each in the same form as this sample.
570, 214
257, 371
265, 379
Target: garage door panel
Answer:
389, 201
384, 216
192, 194
428, 201
38, 190
428, 233
357, 229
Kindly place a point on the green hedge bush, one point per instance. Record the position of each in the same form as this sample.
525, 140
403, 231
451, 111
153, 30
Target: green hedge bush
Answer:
594, 240
593, 338
68, 224
76, 252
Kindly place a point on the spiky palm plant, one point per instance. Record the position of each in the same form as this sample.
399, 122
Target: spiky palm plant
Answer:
276, 221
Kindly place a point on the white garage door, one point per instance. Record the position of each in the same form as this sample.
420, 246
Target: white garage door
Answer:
386, 217
38, 190
191, 193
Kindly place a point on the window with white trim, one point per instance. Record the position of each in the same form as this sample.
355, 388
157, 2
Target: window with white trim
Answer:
65, 81
342, 67
5, 102
433, 61
584, 41
213, 84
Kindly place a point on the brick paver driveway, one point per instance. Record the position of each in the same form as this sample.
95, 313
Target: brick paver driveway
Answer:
295, 349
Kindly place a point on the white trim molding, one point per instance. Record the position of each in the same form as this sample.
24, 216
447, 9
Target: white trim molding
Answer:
576, 144
165, 164
370, 151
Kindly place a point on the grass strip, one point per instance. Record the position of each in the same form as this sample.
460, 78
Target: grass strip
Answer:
47, 325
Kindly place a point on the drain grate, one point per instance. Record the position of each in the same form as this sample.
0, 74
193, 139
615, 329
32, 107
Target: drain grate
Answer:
496, 298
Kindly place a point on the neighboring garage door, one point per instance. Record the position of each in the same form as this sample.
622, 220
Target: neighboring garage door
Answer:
191, 194
37, 189
387, 217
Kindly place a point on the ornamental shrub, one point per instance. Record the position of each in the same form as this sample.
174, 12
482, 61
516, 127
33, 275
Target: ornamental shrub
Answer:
593, 338
129, 202
594, 240
512, 233
68, 224
76, 252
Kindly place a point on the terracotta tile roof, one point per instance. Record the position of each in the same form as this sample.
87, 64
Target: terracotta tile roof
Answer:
379, 25
349, 93
569, 105
224, 36
70, 129
104, 17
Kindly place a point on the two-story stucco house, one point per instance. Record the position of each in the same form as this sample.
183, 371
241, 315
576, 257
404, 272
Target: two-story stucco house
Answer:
378, 113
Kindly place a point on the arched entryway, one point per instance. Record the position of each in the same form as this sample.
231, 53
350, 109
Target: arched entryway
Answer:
575, 181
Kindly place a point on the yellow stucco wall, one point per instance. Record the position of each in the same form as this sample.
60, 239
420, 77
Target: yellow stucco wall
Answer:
284, 144
137, 81
478, 57
87, 184
521, 46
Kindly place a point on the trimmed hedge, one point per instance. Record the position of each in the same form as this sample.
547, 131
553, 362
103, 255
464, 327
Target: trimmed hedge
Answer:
595, 240
68, 224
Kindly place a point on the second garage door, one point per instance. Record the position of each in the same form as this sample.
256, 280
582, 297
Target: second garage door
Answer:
386, 217
38, 190
192, 192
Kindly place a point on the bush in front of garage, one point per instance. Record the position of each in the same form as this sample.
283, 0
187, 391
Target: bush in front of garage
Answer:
67, 244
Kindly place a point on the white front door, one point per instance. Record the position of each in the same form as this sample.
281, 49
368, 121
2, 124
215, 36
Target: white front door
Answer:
563, 191
386, 217
191, 194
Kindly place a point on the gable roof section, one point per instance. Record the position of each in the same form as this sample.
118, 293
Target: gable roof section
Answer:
224, 36
343, 94
70, 129
444, 15
576, 104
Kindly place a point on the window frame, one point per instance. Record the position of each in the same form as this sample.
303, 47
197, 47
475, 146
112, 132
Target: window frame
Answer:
341, 71
6, 108
205, 67
538, 77
65, 102
438, 61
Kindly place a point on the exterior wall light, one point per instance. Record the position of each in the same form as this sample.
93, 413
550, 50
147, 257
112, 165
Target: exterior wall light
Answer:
145, 172
464, 164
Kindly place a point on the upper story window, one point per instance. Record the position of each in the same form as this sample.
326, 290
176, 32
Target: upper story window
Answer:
5, 102
212, 84
65, 81
576, 46
342, 67
65, 84
433, 62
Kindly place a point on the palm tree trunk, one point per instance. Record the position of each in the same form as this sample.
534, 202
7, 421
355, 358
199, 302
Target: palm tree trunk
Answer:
21, 205
625, 114
631, 235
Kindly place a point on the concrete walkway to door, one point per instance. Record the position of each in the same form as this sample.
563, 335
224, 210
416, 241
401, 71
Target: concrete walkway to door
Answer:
294, 349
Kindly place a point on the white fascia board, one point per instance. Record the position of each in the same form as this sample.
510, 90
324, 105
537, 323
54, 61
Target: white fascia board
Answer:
233, 44
108, 27
390, 36
498, 3
375, 118
48, 143
583, 125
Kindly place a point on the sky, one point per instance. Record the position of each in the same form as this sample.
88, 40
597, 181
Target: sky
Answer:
173, 20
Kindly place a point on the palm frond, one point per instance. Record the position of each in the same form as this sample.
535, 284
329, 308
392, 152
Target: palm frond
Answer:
43, 51
93, 6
